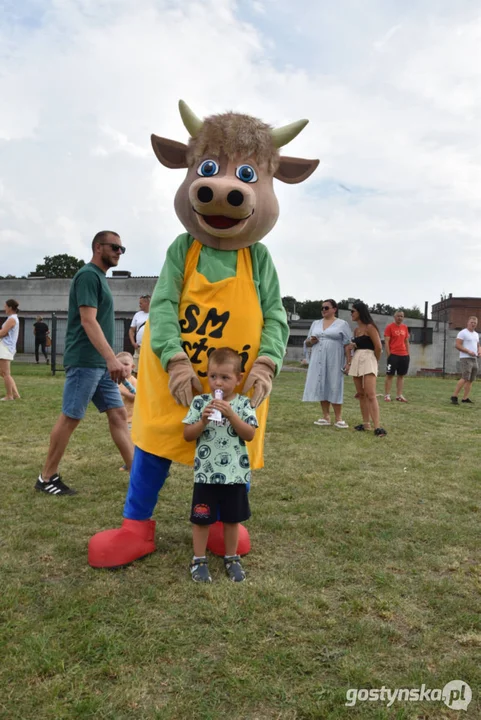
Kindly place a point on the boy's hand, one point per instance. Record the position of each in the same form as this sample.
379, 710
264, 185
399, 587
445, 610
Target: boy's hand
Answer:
224, 407
206, 413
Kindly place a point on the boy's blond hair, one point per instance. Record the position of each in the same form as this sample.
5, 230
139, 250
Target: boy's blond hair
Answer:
226, 355
125, 356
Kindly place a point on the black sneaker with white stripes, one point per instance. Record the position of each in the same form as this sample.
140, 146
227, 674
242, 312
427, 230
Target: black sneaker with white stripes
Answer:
53, 486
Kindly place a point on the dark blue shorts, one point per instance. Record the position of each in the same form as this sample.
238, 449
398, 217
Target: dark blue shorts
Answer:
83, 385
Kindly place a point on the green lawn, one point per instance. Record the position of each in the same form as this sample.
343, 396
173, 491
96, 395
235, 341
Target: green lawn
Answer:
365, 571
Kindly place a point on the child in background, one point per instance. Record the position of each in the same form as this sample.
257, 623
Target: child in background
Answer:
221, 464
128, 397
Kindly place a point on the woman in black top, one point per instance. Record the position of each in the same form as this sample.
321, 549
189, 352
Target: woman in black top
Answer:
40, 330
367, 347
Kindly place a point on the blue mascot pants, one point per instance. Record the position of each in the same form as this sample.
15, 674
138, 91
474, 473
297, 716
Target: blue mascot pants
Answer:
147, 476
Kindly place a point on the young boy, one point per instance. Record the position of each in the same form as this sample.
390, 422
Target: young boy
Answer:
128, 397
221, 464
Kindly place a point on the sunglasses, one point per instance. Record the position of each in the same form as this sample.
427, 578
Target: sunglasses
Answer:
326, 307
115, 247
145, 297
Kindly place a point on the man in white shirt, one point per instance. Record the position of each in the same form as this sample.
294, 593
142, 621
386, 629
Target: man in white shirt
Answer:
137, 327
467, 342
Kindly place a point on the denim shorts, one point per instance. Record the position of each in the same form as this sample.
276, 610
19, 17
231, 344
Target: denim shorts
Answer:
83, 385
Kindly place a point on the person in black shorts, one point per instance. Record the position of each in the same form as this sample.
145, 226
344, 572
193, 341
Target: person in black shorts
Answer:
221, 463
41, 331
396, 346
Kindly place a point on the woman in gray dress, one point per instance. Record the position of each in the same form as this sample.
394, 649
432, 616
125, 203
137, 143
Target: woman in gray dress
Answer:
329, 341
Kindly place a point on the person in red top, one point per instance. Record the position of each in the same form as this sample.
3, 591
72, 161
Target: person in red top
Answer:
396, 345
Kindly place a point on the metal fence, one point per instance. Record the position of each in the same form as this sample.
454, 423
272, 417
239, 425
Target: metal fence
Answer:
119, 335
58, 330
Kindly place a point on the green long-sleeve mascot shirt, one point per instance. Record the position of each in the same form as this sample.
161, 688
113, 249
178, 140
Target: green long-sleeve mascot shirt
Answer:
215, 265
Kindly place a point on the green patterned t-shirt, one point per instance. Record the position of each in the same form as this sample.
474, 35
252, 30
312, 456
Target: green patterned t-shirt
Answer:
221, 455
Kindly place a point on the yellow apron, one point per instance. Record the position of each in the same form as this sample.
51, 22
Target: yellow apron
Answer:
226, 313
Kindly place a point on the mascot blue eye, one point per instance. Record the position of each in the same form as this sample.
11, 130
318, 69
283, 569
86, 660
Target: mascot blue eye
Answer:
208, 168
246, 173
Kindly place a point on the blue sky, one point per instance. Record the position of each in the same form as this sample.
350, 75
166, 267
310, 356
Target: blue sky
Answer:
392, 91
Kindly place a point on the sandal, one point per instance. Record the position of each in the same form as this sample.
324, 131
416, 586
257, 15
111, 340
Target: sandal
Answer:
380, 432
341, 425
322, 421
234, 569
199, 570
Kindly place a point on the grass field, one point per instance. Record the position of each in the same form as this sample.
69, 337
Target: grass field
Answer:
365, 571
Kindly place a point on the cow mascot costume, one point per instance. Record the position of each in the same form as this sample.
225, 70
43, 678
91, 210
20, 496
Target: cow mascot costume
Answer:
218, 287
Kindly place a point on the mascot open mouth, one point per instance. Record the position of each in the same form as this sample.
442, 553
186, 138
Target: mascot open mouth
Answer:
221, 222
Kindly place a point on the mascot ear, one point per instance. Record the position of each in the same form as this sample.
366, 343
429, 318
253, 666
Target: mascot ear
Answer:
170, 153
295, 170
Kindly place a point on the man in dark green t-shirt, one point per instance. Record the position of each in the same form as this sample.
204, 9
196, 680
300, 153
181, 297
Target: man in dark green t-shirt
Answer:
92, 371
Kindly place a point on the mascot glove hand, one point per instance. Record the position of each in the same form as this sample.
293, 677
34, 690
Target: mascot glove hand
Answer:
260, 378
182, 378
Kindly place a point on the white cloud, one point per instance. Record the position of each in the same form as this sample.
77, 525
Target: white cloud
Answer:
393, 97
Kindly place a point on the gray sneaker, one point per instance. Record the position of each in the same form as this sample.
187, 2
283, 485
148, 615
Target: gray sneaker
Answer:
234, 568
199, 570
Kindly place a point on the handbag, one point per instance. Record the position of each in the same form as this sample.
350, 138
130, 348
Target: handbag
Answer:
48, 341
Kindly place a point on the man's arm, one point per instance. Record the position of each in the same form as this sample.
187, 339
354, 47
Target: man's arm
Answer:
132, 336
407, 344
387, 345
461, 348
88, 319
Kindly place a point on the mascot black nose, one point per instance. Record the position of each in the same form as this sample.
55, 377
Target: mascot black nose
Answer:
205, 194
235, 198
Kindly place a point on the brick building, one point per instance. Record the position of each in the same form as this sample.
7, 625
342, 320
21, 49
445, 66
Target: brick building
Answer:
455, 311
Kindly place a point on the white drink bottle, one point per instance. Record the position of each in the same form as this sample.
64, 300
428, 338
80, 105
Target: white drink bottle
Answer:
216, 415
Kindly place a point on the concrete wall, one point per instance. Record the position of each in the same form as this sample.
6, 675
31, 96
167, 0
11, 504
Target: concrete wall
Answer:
41, 296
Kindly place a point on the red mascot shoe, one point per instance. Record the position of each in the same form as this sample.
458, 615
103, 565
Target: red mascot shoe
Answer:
119, 547
216, 545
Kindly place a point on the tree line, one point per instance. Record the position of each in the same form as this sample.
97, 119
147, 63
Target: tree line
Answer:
312, 309
54, 266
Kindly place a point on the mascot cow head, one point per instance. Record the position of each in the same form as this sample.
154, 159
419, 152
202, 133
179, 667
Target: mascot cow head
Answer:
227, 199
